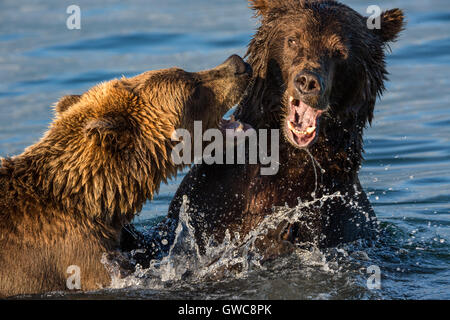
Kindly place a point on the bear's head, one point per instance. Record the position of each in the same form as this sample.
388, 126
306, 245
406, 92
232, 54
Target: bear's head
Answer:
109, 149
318, 68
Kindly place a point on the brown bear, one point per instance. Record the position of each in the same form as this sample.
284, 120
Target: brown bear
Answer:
64, 200
318, 69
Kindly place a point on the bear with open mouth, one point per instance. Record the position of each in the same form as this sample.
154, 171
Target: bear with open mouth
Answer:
318, 69
65, 199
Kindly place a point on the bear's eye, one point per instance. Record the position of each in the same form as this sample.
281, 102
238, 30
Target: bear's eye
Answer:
292, 42
340, 53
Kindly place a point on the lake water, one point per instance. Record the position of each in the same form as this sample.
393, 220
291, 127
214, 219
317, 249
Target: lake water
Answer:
407, 167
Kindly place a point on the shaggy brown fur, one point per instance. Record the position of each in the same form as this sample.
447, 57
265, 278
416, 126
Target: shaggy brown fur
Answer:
65, 199
314, 56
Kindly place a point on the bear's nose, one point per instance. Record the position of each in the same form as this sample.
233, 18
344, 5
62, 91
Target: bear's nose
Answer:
308, 82
237, 64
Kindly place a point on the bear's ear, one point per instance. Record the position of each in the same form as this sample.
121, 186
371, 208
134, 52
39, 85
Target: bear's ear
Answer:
260, 6
392, 23
66, 102
109, 132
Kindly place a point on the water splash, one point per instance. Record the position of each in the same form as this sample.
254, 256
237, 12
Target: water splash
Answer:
235, 256
315, 164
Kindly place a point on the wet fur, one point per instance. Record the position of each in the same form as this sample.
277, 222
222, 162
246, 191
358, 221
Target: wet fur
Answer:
236, 197
65, 199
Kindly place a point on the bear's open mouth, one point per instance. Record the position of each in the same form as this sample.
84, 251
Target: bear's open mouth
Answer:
302, 123
233, 125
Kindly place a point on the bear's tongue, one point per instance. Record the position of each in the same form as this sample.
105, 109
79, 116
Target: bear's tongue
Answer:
302, 122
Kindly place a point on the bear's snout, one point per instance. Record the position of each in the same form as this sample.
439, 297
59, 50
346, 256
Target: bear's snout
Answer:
308, 83
237, 65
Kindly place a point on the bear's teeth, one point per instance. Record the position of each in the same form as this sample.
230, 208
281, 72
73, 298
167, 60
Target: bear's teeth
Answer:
241, 127
291, 99
292, 128
310, 130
